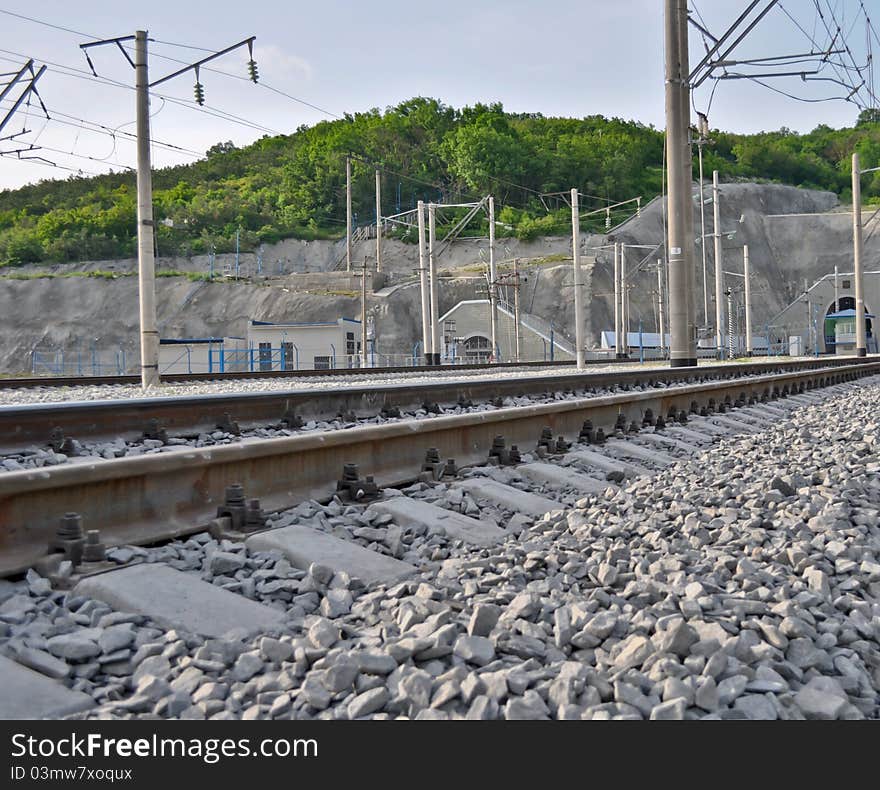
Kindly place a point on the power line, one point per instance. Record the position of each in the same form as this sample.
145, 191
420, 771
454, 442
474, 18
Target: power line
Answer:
849, 75
72, 71
77, 122
176, 60
47, 163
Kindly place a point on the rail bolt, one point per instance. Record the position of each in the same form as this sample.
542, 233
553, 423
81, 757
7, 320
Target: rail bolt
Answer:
254, 518
94, 550
291, 420
587, 434
546, 439
69, 538
155, 431
233, 507
228, 425
432, 464
450, 470
60, 443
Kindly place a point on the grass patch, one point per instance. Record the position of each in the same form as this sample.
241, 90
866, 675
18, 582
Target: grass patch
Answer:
195, 277
507, 266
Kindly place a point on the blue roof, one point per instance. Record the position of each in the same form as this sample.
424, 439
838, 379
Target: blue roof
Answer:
846, 314
303, 323
188, 341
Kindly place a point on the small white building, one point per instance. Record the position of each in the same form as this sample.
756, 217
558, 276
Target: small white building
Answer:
202, 355
308, 345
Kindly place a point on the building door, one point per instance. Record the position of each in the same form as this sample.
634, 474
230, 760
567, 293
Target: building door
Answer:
265, 356
287, 358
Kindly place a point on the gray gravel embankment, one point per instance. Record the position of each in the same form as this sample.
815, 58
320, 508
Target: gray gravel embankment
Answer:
742, 582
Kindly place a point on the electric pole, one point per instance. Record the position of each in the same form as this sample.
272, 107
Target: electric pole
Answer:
704, 130
624, 306
146, 236
146, 259
683, 351
861, 342
618, 340
719, 269
348, 213
660, 307
836, 289
730, 328
493, 277
423, 285
237, 250
578, 296
364, 359
435, 285
378, 220
748, 299
516, 314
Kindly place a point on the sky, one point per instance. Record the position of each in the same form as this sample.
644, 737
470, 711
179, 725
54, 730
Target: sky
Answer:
566, 58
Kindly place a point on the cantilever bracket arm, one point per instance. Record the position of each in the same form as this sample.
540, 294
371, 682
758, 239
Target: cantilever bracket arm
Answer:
201, 62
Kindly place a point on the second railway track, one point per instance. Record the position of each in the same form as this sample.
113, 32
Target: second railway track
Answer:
31, 424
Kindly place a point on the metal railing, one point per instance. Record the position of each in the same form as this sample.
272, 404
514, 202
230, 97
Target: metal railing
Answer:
78, 362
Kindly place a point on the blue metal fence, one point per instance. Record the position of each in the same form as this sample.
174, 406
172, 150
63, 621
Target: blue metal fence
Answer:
79, 362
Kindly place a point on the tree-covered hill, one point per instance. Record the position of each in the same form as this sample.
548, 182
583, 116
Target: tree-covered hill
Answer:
294, 185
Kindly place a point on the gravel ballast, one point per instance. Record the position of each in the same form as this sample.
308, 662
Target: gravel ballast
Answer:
740, 582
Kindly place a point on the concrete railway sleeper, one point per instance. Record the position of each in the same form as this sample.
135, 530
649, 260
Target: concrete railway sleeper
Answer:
494, 590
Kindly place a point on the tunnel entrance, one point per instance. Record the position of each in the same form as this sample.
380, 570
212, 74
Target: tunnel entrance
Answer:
845, 303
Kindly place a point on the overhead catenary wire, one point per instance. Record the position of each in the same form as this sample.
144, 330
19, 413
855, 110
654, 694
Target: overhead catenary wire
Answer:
99, 128
835, 53
72, 71
213, 70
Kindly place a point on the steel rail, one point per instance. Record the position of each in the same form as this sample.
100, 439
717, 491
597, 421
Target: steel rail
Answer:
22, 426
149, 498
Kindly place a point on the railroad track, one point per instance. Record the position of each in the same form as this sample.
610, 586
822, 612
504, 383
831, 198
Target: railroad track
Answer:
149, 498
28, 382
32, 424
457, 569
